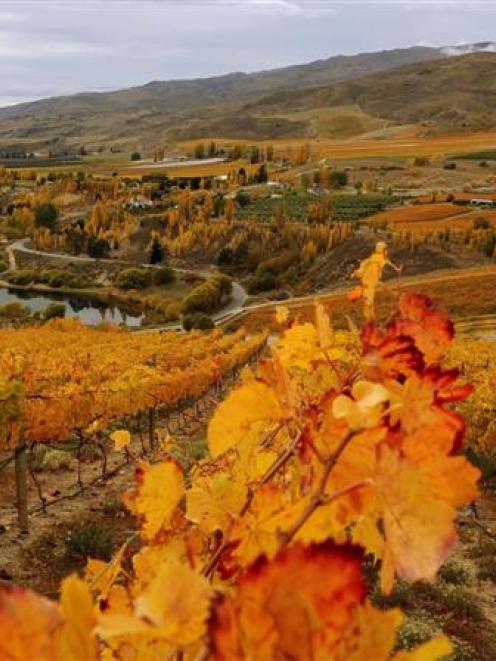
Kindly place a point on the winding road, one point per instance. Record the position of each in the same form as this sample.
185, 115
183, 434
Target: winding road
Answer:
234, 306
482, 327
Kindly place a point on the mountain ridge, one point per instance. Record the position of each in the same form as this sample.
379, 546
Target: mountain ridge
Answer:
413, 85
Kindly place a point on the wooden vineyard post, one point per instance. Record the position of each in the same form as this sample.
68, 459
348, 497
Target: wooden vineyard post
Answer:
21, 473
151, 427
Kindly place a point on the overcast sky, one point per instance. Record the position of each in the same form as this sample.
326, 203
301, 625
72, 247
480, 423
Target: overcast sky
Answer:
53, 47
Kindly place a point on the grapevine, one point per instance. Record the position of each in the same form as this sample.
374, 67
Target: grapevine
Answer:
337, 447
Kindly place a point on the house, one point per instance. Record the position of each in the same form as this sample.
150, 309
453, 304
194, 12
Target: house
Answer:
481, 202
137, 203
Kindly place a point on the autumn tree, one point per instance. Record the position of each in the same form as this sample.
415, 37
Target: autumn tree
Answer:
46, 215
199, 151
156, 250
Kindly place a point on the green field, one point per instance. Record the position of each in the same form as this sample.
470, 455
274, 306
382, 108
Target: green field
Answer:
295, 206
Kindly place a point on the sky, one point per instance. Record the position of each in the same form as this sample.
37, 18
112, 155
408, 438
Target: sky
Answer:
57, 47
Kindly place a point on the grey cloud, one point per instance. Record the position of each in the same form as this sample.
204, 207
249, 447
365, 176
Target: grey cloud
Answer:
60, 47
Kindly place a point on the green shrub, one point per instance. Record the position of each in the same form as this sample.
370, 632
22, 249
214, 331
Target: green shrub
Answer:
172, 311
455, 572
242, 198
278, 264
22, 277
136, 156
188, 454
50, 277
59, 278
338, 178
225, 256
89, 540
97, 247
290, 275
156, 251
163, 276
113, 506
133, 278
45, 215
417, 629
207, 296
463, 651
262, 282
485, 462
198, 320
37, 456
14, 310
458, 598
88, 452
281, 295
487, 569
54, 311
56, 460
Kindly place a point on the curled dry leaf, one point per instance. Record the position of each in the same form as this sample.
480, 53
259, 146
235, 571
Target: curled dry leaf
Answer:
121, 438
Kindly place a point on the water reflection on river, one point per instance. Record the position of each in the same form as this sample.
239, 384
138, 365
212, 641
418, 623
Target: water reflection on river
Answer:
88, 310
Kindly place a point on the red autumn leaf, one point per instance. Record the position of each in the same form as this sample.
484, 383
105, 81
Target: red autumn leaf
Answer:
386, 354
430, 328
297, 606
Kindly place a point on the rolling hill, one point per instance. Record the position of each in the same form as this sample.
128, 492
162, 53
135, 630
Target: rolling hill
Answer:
338, 97
455, 93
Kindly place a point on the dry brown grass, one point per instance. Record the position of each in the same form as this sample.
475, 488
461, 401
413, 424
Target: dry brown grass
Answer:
200, 170
460, 222
423, 219
403, 145
417, 213
463, 294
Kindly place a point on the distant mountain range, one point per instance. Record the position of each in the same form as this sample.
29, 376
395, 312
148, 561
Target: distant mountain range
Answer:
464, 49
337, 97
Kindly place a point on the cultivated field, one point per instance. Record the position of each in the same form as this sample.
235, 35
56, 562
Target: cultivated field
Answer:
177, 171
425, 219
365, 148
417, 213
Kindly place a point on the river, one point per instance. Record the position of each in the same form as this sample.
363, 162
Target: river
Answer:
90, 311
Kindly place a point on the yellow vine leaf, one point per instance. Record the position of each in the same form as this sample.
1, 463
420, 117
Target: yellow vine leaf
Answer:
173, 608
253, 463
213, 501
149, 559
366, 533
77, 640
159, 490
418, 519
372, 635
299, 348
177, 602
134, 648
365, 409
249, 404
100, 576
121, 438
437, 648
118, 601
271, 511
